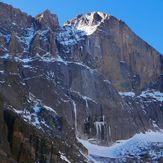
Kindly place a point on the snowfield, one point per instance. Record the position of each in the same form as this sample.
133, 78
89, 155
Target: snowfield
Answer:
133, 146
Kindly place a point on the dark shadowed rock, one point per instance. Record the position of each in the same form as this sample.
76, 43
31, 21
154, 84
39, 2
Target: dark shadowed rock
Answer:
43, 43
15, 47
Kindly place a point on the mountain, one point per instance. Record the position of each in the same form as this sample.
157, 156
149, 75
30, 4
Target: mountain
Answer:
67, 92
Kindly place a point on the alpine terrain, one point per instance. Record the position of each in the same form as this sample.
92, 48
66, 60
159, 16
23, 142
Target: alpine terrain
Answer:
90, 91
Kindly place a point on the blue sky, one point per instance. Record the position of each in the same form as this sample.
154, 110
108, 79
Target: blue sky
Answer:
144, 17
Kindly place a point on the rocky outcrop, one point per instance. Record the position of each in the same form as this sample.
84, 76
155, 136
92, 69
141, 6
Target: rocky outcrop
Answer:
15, 46
25, 144
12, 19
21, 34
23, 137
2, 45
43, 43
48, 20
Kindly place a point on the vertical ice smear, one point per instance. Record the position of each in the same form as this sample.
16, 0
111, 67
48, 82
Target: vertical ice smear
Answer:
99, 127
110, 133
75, 116
86, 101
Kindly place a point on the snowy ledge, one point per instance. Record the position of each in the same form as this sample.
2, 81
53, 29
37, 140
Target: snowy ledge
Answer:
157, 95
131, 94
154, 94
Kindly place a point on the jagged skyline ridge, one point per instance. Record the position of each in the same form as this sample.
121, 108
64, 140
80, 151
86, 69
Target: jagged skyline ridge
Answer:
136, 14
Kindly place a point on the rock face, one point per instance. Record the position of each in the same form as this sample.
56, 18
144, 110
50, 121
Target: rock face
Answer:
12, 19
22, 34
113, 47
59, 85
48, 20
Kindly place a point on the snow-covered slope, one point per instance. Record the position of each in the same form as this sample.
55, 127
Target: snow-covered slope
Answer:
135, 147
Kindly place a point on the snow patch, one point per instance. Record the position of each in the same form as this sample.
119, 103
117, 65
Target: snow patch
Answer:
33, 99
86, 98
131, 94
49, 109
26, 60
84, 23
157, 95
37, 108
59, 59
63, 157
88, 30
154, 94
30, 118
70, 36
2, 81
5, 56
107, 81
28, 37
